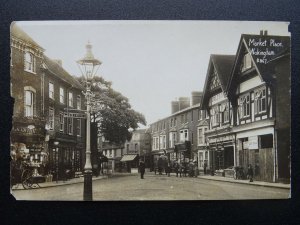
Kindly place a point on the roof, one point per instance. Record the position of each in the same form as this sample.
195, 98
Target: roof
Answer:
56, 69
223, 65
263, 49
18, 33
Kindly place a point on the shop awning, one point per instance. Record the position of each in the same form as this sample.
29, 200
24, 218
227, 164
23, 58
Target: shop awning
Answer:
126, 158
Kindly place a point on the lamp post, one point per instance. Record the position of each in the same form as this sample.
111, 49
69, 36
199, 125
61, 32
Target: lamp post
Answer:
88, 67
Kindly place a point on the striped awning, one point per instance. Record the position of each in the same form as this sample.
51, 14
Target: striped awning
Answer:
126, 158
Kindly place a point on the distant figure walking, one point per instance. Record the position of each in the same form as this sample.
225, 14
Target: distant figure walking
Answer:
142, 169
250, 173
205, 167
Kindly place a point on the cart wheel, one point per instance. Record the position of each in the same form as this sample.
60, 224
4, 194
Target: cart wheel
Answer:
26, 179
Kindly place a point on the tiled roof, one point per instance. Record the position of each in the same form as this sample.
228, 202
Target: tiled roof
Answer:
223, 64
61, 73
18, 33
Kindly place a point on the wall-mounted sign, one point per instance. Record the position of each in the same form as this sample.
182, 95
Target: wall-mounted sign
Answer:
253, 142
75, 115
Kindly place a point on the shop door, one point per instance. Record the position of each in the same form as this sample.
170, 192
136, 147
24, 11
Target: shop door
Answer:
228, 157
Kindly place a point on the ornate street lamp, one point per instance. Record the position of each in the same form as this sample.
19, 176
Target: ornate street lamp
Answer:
88, 67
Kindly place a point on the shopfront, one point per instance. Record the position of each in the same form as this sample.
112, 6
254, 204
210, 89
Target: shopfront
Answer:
256, 148
222, 151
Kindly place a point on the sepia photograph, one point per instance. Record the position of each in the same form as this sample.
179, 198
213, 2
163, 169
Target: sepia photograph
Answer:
150, 110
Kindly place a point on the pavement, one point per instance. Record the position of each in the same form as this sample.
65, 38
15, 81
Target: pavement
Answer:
201, 176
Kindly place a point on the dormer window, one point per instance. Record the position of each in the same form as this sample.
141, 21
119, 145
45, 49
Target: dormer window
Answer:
247, 62
29, 62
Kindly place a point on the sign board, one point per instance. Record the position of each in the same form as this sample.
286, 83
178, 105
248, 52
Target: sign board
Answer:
75, 115
253, 142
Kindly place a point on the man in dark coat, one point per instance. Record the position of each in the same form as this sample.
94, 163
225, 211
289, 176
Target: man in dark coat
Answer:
250, 173
142, 169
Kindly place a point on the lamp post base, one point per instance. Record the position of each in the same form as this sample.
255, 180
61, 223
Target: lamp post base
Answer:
88, 186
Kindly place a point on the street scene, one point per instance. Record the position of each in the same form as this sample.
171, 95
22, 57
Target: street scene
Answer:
150, 110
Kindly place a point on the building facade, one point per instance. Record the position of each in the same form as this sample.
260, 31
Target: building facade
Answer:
62, 97
259, 91
180, 137
28, 129
45, 95
248, 101
221, 141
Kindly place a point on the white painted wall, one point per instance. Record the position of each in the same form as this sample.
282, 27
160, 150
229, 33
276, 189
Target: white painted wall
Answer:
251, 83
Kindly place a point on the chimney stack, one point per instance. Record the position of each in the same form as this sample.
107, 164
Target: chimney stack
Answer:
174, 106
184, 102
265, 33
196, 97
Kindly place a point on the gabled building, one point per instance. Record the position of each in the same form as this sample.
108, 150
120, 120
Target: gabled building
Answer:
220, 139
258, 90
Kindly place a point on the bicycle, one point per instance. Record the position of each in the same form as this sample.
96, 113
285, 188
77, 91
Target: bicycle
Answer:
238, 173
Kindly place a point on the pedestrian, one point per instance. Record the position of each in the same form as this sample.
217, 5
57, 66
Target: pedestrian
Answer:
168, 170
205, 167
250, 173
142, 169
176, 167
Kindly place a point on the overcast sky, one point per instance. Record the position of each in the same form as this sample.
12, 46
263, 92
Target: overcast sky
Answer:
150, 62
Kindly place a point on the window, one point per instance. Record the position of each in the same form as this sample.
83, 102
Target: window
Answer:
70, 99
175, 121
172, 139
51, 118
162, 142
70, 125
184, 135
247, 62
245, 106
135, 147
78, 127
215, 116
78, 102
29, 63
61, 122
260, 101
29, 103
200, 136
155, 143
51, 90
225, 113
61, 95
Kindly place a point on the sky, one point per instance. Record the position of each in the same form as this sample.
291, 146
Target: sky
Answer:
150, 62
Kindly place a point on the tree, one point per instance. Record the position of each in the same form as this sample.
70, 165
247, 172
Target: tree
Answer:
112, 112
